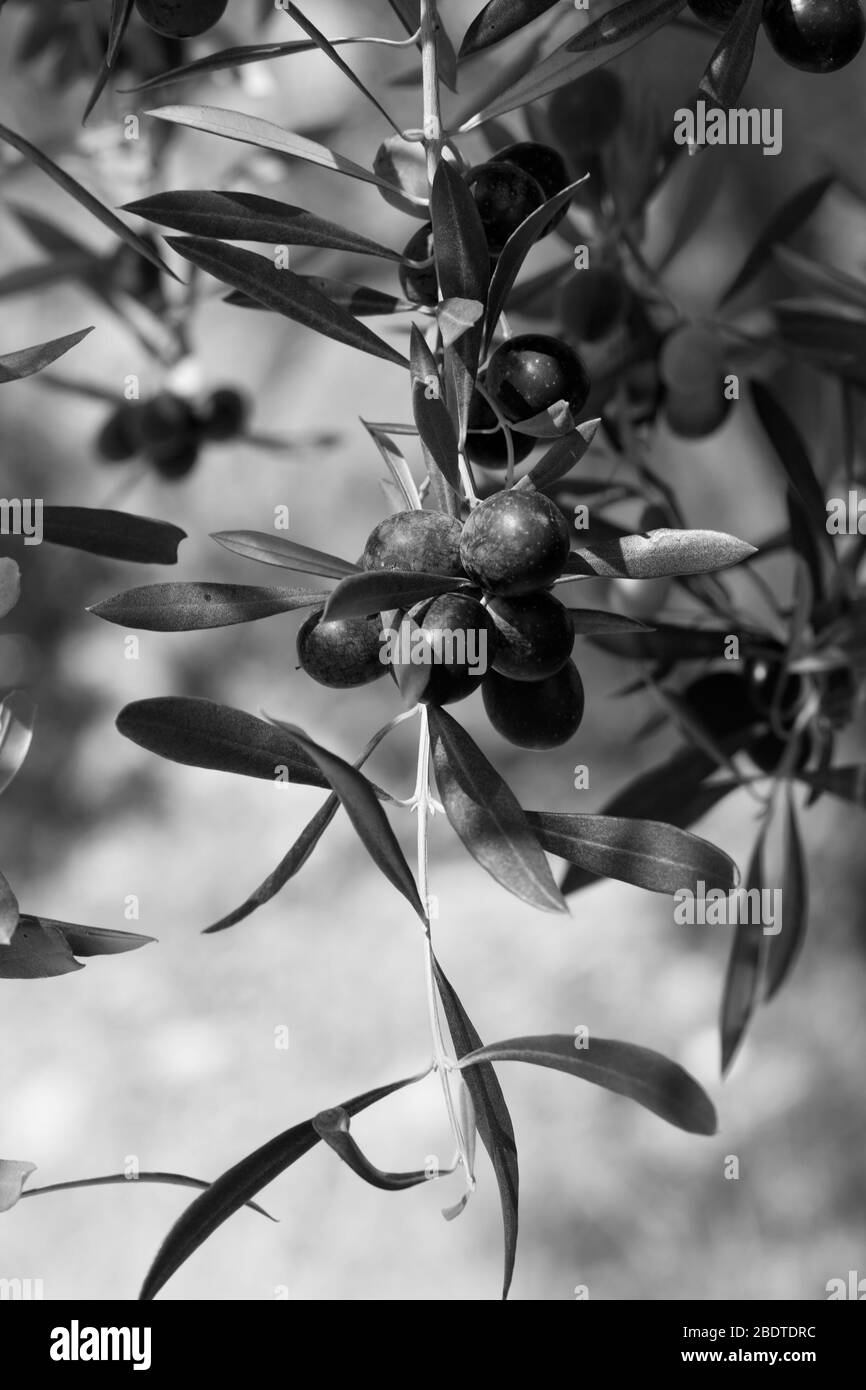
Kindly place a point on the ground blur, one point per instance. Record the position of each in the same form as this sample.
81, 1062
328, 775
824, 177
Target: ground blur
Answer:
168, 1055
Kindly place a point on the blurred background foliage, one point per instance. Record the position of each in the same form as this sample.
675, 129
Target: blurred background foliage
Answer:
169, 1055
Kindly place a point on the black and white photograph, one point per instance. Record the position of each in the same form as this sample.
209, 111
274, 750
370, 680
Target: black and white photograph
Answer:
432, 670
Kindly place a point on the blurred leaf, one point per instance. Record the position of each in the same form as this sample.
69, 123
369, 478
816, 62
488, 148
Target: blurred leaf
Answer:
435, 426
636, 1072
848, 783
42, 949
250, 130
783, 224
17, 718
821, 279
517, 248
745, 966
13, 1176
783, 949
330, 52
237, 1186
658, 553
276, 550
376, 591
121, 1180
225, 58
705, 181
614, 33
791, 453
288, 866
835, 343
200, 733
360, 300
333, 1127
487, 816
85, 198
16, 365
491, 1116
731, 63
120, 13
591, 622
284, 292
560, 458
9, 914
363, 809
556, 422
241, 216
650, 855
115, 535
193, 607
10, 585
498, 20
668, 643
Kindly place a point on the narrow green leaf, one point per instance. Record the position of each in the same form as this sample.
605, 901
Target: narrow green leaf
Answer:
251, 130
517, 248
236, 57
499, 20
115, 535
14, 366
121, 1180
435, 426
661, 552
193, 607
487, 816
783, 224
636, 1072
284, 292
491, 1116
276, 550
745, 965
363, 809
330, 51
650, 855
560, 458
238, 1185
463, 267
731, 62
238, 216
200, 733
84, 197
783, 948
378, 591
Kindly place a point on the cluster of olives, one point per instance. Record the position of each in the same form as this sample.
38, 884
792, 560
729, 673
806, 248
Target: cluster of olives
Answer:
813, 35
511, 549
181, 19
168, 430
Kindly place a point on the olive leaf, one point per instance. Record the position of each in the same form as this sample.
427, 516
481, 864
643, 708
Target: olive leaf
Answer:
368, 819
487, 816
42, 948
499, 20
435, 426
745, 965
658, 553
284, 292
377, 591
491, 1116
200, 733
639, 1073
14, 366
239, 1184
17, 718
789, 219
115, 535
731, 62
122, 1180
13, 1175
463, 268
235, 57
240, 216
650, 855
285, 554
192, 607
9, 912
783, 948
10, 585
